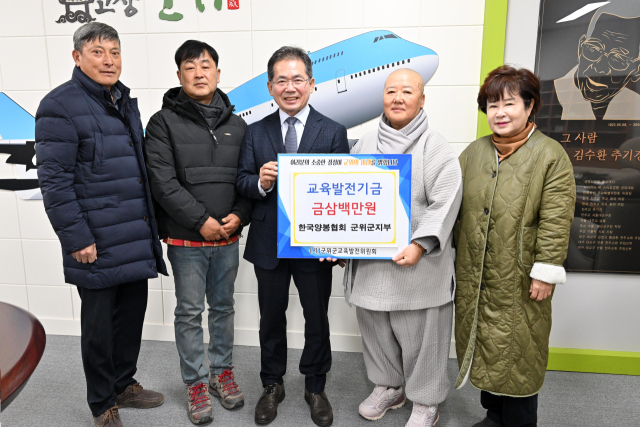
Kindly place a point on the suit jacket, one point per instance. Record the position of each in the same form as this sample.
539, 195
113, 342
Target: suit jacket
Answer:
262, 143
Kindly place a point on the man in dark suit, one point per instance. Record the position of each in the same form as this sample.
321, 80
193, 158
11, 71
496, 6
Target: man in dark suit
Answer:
295, 128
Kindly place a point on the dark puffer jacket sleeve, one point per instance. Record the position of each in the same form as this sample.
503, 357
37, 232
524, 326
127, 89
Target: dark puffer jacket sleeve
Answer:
165, 187
242, 209
56, 154
243, 206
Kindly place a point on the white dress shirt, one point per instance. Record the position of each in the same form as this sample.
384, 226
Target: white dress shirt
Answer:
302, 116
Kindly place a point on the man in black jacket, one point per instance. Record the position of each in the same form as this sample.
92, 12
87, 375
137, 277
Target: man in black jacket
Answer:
192, 147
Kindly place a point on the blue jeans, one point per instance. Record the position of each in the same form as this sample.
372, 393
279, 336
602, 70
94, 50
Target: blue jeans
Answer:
204, 272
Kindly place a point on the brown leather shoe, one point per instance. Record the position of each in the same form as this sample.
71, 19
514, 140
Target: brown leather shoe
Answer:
267, 406
110, 418
321, 412
137, 397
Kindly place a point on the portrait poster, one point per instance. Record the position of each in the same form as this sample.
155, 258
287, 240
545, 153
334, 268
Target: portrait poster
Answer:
343, 206
588, 62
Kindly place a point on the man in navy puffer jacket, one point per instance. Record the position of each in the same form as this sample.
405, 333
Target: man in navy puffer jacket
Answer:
93, 178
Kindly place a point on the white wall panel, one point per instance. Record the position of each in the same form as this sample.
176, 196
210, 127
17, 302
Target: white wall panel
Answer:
458, 147
243, 236
295, 317
21, 18
155, 99
76, 302
293, 289
167, 281
247, 314
135, 67
342, 318
246, 281
460, 53
169, 305
11, 262
522, 33
154, 314
155, 284
354, 132
371, 125
144, 97
403, 13
266, 42
43, 262
6, 170
24, 63
61, 64
15, 295
334, 14
34, 223
438, 13
337, 288
9, 223
235, 62
50, 302
319, 39
278, 15
452, 111
225, 20
162, 48
597, 312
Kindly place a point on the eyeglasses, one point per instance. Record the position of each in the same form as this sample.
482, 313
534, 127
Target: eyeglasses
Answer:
297, 82
593, 50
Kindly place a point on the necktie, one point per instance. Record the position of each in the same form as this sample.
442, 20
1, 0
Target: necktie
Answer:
291, 138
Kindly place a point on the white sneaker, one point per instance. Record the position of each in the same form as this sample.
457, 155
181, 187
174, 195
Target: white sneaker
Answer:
380, 401
423, 416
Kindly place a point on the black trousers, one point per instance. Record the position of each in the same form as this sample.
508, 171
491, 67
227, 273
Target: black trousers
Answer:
111, 321
511, 411
313, 280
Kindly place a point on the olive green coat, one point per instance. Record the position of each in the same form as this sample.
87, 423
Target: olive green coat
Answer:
512, 216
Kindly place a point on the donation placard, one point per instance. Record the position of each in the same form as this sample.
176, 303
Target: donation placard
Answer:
343, 205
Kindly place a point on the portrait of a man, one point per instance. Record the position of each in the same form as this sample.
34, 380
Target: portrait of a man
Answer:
604, 83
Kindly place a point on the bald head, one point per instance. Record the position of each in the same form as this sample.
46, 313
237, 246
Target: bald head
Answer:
406, 76
403, 97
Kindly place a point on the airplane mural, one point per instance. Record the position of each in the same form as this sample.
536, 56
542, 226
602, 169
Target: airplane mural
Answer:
349, 78
17, 138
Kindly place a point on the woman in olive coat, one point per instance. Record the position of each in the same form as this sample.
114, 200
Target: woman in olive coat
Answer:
511, 239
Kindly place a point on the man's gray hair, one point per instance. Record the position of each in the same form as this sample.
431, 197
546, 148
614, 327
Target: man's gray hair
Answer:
289, 52
91, 31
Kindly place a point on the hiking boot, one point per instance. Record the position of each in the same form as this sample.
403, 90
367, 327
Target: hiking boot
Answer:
423, 416
224, 387
110, 418
135, 396
200, 411
380, 401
